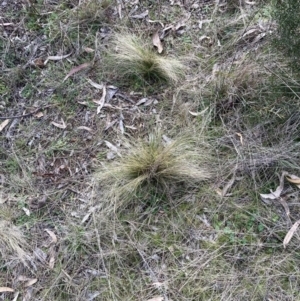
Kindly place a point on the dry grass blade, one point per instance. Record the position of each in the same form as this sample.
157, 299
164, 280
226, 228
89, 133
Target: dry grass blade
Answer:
134, 57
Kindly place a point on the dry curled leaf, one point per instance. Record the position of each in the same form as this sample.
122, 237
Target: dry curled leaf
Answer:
30, 282
157, 42
291, 233
52, 235
157, 298
23, 278
4, 289
6, 24
113, 148
85, 128
58, 125
141, 101
56, 58
102, 100
141, 16
88, 49
27, 212
275, 194
4, 124
51, 262
293, 179
39, 115
97, 86
198, 113
241, 138
282, 201
77, 69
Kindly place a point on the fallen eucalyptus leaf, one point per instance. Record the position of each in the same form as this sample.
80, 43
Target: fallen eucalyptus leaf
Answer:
110, 92
102, 100
4, 289
241, 138
141, 16
291, 233
56, 58
52, 235
92, 296
30, 282
284, 204
141, 101
39, 115
157, 42
97, 86
293, 179
113, 148
198, 113
4, 124
61, 126
6, 24
275, 194
77, 69
88, 49
85, 128
27, 212
51, 262
110, 156
157, 298
121, 125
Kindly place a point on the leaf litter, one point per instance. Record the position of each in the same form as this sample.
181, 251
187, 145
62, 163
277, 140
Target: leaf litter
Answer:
5, 289
277, 195
56, 58
157, 42
52, 235
76, 69
61, 125
4, 124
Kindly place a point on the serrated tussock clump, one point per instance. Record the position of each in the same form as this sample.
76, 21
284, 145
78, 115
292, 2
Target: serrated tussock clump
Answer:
136, 58
12, 242
154, 166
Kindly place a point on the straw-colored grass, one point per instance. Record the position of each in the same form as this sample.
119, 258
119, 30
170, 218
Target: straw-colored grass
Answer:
135, 58
155, 166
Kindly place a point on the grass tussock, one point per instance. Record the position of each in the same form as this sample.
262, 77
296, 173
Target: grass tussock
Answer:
154, 166
135, 58
12, 242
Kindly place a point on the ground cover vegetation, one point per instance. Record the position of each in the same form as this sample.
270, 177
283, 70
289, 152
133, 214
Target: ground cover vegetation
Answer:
149, 150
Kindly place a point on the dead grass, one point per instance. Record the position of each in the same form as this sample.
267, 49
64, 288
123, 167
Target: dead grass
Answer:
143, 215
